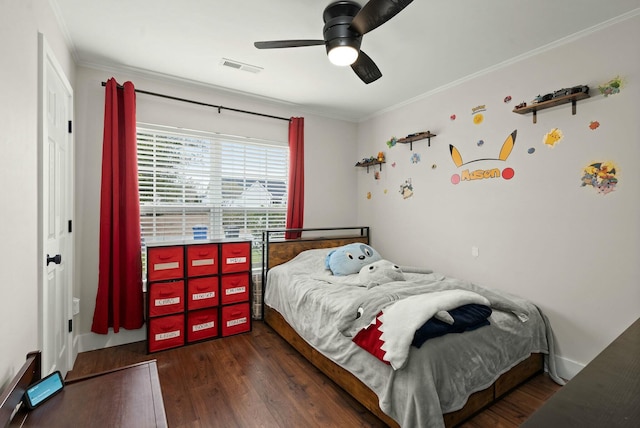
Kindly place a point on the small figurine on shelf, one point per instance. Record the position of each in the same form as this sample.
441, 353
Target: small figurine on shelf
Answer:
392, 142
521, 105
380, 156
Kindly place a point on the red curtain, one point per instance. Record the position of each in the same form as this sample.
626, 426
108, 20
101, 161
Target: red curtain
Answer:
119, 302
295, 202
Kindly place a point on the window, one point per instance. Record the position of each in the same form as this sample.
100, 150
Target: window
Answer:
196, 184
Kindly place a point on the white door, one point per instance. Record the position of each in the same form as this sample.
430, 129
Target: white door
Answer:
56, 208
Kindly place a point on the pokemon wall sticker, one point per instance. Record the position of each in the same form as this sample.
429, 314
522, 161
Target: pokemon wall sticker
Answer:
553, 137
415, 158
612, 87
406, 189
478, 117
594, 124
601, 176
479, 174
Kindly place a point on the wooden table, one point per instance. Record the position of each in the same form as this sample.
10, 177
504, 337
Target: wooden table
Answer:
125, 397
606, 393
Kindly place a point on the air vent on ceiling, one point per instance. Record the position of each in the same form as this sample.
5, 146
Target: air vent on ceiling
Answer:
240, 66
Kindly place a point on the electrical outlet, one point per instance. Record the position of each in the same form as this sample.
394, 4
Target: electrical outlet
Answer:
76, 306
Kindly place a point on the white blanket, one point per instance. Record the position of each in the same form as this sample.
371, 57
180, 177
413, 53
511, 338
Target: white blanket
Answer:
401, 320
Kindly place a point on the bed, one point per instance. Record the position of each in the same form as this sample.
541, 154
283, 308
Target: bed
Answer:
443, 382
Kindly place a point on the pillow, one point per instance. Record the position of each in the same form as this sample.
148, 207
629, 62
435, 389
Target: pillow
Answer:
380, 272
350, 258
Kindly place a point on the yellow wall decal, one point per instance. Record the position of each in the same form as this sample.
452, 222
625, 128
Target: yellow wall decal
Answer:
553, 137
466, 175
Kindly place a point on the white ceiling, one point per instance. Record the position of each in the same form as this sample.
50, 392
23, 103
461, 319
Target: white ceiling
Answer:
429, 45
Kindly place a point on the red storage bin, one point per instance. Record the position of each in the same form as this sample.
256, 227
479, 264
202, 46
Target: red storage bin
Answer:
235, 288
166, 332
236, 257
202, 292
235, 319
202, 260
166, 298
165, 263
202, 324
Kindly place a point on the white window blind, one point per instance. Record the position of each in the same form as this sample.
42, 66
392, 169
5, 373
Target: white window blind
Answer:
223, 186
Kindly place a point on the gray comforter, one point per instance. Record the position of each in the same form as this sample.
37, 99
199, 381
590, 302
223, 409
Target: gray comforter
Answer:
438, 377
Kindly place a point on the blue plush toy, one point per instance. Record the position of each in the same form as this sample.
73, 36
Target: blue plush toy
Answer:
349, 259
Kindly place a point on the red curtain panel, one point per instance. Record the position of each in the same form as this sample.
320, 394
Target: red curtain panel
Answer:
295, 202
119, 301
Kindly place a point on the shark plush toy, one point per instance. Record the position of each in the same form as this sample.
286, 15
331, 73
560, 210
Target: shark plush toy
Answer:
380, 272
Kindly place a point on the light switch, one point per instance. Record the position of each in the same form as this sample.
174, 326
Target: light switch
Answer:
474, 251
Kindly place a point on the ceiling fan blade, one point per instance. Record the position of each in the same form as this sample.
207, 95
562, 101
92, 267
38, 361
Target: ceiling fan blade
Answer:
366, 69
275, 44
377, 12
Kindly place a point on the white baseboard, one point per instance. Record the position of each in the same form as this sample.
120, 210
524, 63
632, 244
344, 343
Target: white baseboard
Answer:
566, 368
91, 341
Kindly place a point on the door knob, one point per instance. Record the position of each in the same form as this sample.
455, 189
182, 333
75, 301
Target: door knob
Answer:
57, 259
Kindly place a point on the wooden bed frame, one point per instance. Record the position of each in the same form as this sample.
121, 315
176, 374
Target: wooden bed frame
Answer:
278, 251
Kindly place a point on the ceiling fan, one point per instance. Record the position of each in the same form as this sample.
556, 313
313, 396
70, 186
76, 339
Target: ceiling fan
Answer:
345, 22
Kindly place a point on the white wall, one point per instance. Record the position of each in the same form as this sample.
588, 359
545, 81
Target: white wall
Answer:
540, 235
20, 23
329, 150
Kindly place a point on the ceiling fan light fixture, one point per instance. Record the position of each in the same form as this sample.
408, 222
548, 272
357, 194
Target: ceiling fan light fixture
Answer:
343, 55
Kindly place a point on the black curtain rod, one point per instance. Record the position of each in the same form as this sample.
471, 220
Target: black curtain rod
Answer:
155, 94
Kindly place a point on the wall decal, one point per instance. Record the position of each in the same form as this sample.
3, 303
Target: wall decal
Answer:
594, 124
406, 189
507, 99
612, 87
368, 195
531, 150
466, 175
415, 158
478, 117
452, 117
508, 173
393, 165
376, 175
385, 191
434, 166
392, 142
480, 143
553, 137
601, 176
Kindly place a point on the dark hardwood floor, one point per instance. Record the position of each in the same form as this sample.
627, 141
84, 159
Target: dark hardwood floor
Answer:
258, 380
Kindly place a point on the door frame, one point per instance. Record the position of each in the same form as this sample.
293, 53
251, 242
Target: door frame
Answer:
47, 57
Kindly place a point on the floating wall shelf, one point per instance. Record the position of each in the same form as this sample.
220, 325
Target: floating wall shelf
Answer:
409, 139
368, 164
533, 108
